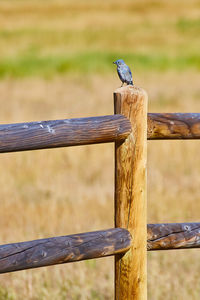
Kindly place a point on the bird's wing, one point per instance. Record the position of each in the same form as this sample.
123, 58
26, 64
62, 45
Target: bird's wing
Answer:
127, 74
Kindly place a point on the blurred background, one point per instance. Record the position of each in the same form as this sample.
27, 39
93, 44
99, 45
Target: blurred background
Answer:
56, 62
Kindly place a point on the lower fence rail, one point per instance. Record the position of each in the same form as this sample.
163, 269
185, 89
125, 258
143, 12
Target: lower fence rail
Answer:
173, 236
77, 247
63, 249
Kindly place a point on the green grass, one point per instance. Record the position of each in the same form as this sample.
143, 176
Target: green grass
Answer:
43, 40
188, 25
6, 294
92, 62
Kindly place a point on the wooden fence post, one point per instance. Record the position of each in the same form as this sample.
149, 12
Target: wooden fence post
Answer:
130, 194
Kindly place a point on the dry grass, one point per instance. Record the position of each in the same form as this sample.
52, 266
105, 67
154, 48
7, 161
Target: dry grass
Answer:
63, 191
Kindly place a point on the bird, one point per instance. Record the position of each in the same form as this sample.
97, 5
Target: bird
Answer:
124, 72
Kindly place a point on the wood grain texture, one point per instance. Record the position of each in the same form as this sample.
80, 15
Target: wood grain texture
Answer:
83, 131
130, 194
63, 249
62, 133
173, 126
173, 236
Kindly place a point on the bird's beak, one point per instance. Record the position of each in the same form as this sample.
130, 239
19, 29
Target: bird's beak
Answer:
114, 62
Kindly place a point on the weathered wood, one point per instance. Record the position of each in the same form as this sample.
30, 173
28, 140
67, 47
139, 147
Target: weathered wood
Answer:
130, 194
173, 236
173, 126
83, 131
63, 249
62, 133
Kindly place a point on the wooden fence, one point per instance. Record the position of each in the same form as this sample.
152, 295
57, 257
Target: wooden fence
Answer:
130, 128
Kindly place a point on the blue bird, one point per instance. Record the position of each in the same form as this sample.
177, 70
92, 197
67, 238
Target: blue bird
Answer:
124, 72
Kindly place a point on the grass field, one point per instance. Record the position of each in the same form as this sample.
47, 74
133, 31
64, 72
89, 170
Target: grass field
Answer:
56, 62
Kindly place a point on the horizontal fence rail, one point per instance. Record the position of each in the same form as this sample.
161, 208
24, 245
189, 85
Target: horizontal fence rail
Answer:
103, 129
173, 236
77, 247
63, 249
173, 126
63, 133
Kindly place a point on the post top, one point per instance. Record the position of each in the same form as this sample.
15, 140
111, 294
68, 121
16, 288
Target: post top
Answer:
130, 89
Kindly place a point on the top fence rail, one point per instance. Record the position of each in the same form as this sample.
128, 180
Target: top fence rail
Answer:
63, 133
103, 129
174, 126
